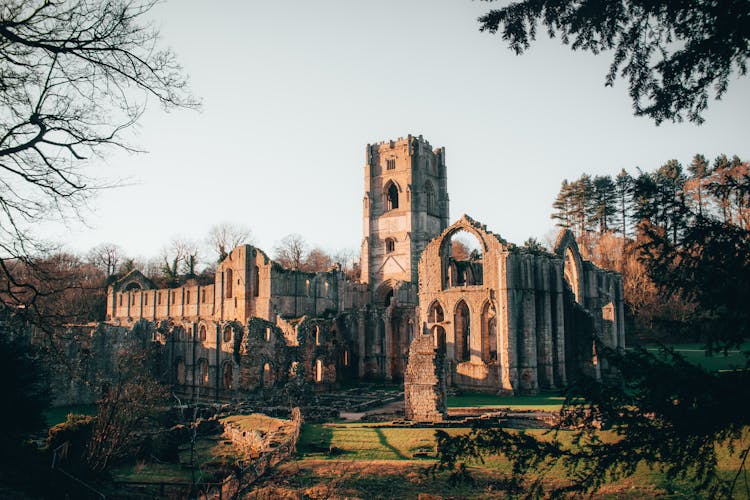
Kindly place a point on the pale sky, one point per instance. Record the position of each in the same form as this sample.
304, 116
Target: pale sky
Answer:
293, 91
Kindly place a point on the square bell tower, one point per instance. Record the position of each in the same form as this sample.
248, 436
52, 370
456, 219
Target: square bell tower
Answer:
405, 205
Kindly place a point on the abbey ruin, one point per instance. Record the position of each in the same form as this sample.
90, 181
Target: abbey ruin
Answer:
504, 319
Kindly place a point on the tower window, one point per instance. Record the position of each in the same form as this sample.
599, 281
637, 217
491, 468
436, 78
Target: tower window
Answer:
430, 197
390, 164
390, 245
392, 197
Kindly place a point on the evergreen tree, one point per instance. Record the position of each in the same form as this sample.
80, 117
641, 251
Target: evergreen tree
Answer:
562, 205
670, 180
624, 194
603, 203
581, 195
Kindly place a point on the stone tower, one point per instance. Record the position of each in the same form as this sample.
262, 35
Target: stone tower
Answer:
405, 206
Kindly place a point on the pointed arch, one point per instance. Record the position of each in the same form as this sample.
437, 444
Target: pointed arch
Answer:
461, 325
566, 248
391, 194
436, 312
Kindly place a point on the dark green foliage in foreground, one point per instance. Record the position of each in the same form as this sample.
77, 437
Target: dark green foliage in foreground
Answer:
664, 412
22, 385
673, 54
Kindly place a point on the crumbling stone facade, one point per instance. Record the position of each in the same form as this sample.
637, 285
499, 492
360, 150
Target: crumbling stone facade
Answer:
424, 384
510, 320
506, 322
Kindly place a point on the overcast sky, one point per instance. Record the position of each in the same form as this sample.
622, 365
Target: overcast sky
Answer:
293, 91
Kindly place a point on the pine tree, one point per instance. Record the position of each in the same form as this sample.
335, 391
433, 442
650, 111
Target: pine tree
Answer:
699, 169
624, 193
562, 205
603, 203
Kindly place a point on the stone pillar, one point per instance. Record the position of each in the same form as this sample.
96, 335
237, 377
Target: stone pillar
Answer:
387, 345
507, 352
528, 366
559, 333
475, 336
424, 382
362, 353
544, 324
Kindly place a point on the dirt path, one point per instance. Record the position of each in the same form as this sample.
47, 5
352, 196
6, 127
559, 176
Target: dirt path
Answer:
388, 409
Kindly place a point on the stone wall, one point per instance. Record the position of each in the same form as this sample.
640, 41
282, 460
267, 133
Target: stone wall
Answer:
424, 384
274, 452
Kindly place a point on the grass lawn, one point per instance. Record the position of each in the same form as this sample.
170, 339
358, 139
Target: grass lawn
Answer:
696, 354
548, 402
255, 421
378, 462
213, 457
59, 414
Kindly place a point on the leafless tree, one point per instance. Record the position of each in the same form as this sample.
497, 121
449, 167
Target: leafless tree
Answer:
349, 261
316, 260
291, 251
74, 75
224, 237
106, 257
179, 260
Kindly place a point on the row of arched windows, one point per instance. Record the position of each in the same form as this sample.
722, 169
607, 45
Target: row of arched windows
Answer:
229, 282
462, 330
202, 375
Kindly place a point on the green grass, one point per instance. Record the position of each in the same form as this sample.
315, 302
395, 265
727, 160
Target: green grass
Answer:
59, 414
696, 354
364, 445
548, 402
361, 442
214, 456
255, 421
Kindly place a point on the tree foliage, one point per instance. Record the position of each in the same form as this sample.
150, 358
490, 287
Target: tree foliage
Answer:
674, 55
74, 75
664, 412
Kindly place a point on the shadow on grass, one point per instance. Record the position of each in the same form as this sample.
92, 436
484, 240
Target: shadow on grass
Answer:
383, 441
315, 438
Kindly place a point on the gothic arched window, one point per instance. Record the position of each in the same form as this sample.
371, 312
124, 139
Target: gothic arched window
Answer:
391, 197
390, 245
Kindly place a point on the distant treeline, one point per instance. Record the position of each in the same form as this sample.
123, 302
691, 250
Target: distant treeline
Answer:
678, 235
670, 197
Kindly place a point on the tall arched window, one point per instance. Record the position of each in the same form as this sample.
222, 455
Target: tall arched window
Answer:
463, 335
391, 194
202, 333
227, 375
180, 371
228, 283
227, 333
203, 372
318, 371
435, 315
256, 282
267, 375
390, 245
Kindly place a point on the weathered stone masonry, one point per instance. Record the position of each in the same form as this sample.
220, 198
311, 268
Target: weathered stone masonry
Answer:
505, 320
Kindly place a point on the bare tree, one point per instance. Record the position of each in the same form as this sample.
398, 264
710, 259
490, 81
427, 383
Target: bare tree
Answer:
316, 260
106, 257
179, 261
349, 261
225, 237
74, 75
291, 251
